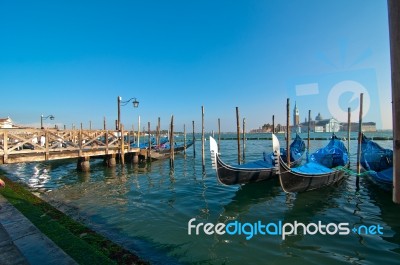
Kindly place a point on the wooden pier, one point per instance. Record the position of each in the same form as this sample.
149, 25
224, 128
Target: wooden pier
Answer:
33, 145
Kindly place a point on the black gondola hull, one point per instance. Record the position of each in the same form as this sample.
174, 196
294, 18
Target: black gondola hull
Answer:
292, 181
230, 175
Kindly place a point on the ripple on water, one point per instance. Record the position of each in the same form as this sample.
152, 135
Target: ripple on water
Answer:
148, 209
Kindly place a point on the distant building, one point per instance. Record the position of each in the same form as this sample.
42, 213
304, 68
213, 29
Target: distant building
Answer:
6, 123
365, 127
327, 125
319, 117
322, 125
296, 116
296, 119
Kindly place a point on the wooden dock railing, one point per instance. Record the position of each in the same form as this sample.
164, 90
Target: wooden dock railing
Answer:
29, 145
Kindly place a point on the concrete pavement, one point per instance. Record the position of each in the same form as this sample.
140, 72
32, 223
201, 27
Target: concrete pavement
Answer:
22, 243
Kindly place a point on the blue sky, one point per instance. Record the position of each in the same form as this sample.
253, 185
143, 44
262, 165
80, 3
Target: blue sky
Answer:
73, 58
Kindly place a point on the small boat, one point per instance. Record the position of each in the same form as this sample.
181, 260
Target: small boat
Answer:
323, 169
249, 172
164, 151
165, 148
297, 149
377, 161
145, 143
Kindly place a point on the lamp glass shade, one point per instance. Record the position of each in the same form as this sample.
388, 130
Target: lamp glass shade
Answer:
135, 103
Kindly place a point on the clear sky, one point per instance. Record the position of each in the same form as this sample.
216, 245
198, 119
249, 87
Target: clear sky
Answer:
73, 58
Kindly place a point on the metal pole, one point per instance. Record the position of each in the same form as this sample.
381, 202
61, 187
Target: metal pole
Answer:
394, 34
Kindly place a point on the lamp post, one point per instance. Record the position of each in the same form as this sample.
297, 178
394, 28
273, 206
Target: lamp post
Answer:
123, 103
45, 118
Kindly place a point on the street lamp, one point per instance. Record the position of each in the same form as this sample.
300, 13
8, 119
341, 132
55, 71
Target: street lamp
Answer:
123, 103
45, 118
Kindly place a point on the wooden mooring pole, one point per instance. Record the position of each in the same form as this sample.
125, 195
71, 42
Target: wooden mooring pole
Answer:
273, 123
288, 132
394, 33
149, 147
359, 134
122, 151
308, 133
238, 133
172, 146
158, 131
194, 140
219, 133
244, 140
138, 133
359, 142
203, 162
184, 140
348, 130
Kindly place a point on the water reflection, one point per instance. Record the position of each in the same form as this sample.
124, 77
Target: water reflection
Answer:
146, 208
248, 196
389, 212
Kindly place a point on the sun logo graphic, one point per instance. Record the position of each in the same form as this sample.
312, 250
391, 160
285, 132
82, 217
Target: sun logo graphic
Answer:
332, 93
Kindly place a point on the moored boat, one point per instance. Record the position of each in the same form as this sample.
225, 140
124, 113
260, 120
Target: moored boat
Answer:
249, 172
164, 151
377, 161
324, 168
297, 149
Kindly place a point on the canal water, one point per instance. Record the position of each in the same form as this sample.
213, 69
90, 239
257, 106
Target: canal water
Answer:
147, 209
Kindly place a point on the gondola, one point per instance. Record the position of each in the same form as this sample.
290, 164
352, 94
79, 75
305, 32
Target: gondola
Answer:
164, 151
166, 148
145, 144
323, 169
249, 172
297, 149
377, 161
